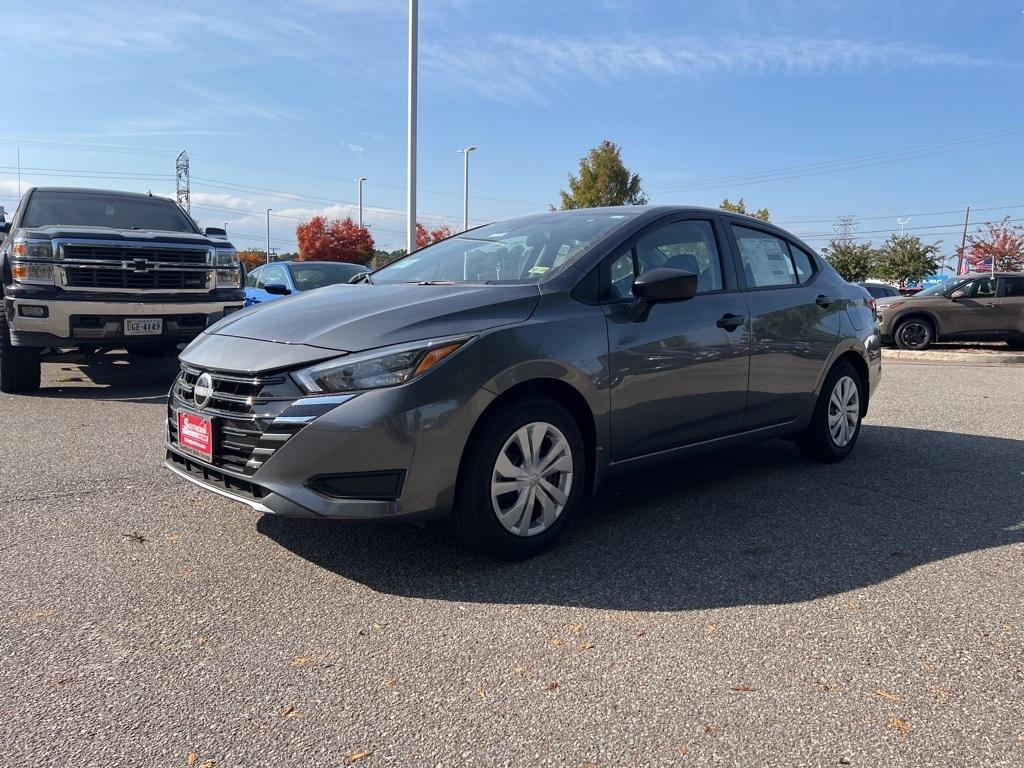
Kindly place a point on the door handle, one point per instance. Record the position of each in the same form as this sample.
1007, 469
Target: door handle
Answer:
731, 322
824, 301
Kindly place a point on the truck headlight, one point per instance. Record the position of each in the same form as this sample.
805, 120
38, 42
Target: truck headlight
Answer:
32, 261
225, 257
27, 272
229, 278
32, 249
378, 368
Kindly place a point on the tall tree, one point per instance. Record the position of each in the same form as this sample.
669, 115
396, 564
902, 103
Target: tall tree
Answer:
425, 237
604, 180
905, 257
740, 207
855, 262
252, 258
1003, 242
322, 239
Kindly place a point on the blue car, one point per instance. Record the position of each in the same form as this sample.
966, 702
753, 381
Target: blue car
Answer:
282, 278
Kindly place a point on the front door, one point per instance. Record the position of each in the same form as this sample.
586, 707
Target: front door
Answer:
795, 322
972, 311
678, 376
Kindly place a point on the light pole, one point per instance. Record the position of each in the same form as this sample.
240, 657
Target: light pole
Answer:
410, 224
360, 181
465, 185
268, 235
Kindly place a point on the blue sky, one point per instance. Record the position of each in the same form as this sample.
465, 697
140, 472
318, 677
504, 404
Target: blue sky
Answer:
814, 109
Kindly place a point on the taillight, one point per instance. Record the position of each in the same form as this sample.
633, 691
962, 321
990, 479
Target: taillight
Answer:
872, 304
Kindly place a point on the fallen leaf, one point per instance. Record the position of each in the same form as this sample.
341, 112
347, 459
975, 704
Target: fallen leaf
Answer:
711, 628
291, 713
684, 751
552, 686
355, 757
823, 686
192, 758
576, 628
206, 764
172, 537
927, 665
301, 661
743, 688
390, 681
378, 626
900, 725
61, 681
853, 605
586, 646
889, 696
203, 640
520, 669
43, 614
136, 537
711, 728
557, 641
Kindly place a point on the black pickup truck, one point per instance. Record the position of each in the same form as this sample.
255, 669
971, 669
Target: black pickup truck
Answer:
96, 270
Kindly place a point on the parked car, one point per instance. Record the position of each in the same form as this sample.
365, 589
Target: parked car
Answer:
974, 307
93, 269
880, 290
281, 278
500, 376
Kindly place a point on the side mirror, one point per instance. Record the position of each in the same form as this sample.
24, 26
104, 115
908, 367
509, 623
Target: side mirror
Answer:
5, 227
215, 232
957, 295
277, 289
662, 284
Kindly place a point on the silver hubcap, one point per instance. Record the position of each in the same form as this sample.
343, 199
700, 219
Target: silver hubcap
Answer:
532, 478
843, 411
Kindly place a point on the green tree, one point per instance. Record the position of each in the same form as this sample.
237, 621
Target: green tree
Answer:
740, 207
604, 180
903, 257
855, 262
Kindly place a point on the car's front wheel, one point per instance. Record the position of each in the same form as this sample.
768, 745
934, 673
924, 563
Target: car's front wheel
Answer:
19, 367
522, 479
835, 424
914, 333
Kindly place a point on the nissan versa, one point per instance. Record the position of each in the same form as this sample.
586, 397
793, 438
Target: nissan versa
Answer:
499, 377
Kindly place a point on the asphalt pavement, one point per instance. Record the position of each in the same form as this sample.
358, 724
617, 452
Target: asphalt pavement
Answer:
749, 608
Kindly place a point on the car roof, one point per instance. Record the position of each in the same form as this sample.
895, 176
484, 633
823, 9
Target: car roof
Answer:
91, 190
290, 262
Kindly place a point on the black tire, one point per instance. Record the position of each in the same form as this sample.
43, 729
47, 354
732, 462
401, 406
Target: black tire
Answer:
474, 517
1015, 343
817, 441
20, 368
914, 333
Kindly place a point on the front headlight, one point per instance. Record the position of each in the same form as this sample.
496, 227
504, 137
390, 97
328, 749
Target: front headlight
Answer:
225, 258
229, 278
38, 256
386, 367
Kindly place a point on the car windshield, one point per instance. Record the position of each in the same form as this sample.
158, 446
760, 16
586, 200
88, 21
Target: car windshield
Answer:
96, 209
516, 251
310, 276
941, 288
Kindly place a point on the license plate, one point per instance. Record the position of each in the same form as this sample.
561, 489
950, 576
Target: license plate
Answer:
195, 435
145, 326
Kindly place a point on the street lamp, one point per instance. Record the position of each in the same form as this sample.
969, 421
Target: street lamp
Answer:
360, 181
268, 235
410, 224
465, 185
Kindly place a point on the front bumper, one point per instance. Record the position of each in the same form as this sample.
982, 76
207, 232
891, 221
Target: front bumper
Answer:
87, 321
416, 431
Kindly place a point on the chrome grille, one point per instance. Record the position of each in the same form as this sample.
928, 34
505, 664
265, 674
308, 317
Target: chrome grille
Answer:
130, 267
80, 276
96, 252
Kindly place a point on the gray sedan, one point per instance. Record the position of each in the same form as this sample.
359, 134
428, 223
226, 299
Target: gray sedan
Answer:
499, 377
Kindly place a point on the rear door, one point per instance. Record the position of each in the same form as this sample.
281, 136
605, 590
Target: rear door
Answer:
795, 314
680, 375
1010, 306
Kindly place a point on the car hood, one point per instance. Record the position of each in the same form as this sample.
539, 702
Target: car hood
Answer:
903, 299
351, 318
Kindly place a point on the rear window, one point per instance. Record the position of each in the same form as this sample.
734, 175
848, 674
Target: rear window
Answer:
310, 276
96, 209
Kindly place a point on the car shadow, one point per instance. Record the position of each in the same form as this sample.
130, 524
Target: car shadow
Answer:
118, 376
759, 525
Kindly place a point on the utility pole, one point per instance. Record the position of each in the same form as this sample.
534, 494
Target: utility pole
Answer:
465, 185
360, 181
183, 182
410, 224
19, 173
845, 228
963, 244
902, 221
268, 235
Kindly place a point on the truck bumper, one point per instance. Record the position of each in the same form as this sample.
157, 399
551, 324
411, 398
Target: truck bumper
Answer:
48, 322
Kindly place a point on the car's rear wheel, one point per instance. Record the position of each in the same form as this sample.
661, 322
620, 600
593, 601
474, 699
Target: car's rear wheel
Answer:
835, 424
522, 479
914, 333
19, 367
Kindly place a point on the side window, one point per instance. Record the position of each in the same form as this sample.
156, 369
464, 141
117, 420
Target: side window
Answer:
803, 262
1013, 286
687, 245
621, 272
273, 275
252, 277
983, 288
765, 258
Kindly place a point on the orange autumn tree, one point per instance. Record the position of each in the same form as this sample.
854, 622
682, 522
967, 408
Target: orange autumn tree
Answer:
425, 237
323, 239
1002, 243
252, 258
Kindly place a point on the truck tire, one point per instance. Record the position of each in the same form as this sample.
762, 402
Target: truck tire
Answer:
19, 367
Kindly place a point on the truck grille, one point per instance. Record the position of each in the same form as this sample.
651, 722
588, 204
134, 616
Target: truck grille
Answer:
244, 411
194, 256
126, 278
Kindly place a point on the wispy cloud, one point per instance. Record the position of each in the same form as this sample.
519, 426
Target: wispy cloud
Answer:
355, 149
528, 67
